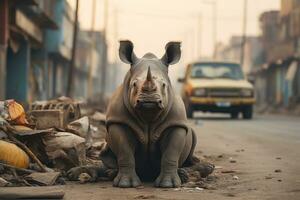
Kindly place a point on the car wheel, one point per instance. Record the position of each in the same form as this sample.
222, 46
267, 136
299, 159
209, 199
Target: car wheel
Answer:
234, 115
248, 112
189, 111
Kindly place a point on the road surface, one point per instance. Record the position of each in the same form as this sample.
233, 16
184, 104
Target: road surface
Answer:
266, 154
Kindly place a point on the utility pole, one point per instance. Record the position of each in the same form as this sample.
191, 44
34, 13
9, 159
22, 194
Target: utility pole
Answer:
92, 47
215, 28
73, 62
213, 3
244, 37
116, 34
199, 41
103, 76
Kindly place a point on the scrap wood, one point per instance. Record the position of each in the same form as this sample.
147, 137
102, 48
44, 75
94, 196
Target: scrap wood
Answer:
28, 171
48, 178
46, 192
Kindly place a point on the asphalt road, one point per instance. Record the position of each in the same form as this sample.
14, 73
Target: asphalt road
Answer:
266, 154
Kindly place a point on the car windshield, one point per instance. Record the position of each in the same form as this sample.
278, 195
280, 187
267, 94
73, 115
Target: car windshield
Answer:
217, 70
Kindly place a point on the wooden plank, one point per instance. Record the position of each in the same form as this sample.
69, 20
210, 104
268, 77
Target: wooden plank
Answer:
51, 192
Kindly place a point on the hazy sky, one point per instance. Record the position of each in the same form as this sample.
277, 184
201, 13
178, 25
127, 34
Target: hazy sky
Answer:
150, 24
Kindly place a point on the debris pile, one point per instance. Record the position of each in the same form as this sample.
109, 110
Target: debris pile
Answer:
37, 147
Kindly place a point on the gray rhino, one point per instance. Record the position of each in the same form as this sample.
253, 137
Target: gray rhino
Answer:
148, 133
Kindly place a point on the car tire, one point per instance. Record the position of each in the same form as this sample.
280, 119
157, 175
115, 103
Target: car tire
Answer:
234, 115
189, 111
248, 112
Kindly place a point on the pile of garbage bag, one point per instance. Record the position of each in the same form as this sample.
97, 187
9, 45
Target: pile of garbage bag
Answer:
39, 146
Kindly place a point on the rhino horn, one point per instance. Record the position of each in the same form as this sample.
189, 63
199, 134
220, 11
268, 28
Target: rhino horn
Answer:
149, 84
149, 75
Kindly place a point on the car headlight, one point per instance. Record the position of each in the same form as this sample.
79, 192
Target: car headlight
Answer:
199, 92
246, 92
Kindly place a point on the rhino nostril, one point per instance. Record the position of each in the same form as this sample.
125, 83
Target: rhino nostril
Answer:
137, 101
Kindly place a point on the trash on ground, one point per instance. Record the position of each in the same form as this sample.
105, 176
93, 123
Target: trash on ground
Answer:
37, 147
13, 155
79, 127
44, 179
65, 149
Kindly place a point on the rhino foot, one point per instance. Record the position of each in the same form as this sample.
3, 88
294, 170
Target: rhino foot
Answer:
168, 180
126, 180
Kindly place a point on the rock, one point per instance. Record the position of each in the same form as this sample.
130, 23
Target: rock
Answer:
277, 171
228, 171
235, 178
211, 178
269, 177
231, 160
145, 196
190, 184
79, 127
84, 178
3, 182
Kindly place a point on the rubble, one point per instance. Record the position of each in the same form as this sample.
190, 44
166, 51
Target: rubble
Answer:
3, 182
67, 150
48, 178
37, 147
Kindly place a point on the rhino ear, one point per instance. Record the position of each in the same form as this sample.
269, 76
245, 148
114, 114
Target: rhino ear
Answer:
173, 53
126, 52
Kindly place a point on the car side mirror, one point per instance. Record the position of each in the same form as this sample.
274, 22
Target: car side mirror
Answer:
181, 80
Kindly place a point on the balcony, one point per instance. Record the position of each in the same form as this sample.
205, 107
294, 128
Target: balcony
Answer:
41, 12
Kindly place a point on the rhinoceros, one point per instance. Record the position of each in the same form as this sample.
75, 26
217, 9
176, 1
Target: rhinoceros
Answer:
148, 135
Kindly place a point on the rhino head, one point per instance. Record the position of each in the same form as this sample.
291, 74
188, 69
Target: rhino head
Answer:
149, 90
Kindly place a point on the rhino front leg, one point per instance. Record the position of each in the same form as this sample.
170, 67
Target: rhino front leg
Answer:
122, 143
174, 149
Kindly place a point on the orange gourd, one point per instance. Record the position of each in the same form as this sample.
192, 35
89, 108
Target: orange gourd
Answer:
16, 112
11, 154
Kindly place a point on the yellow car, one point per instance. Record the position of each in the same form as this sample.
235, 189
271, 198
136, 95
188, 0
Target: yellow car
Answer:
217, 87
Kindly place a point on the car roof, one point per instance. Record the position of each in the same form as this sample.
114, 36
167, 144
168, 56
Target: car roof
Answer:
214, 62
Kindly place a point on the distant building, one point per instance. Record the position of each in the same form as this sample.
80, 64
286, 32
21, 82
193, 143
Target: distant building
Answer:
232, 52
36, 40
22, 35
278, 80
91, 61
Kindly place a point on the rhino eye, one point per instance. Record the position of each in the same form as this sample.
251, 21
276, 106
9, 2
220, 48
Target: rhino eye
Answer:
134, 84
164, 85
